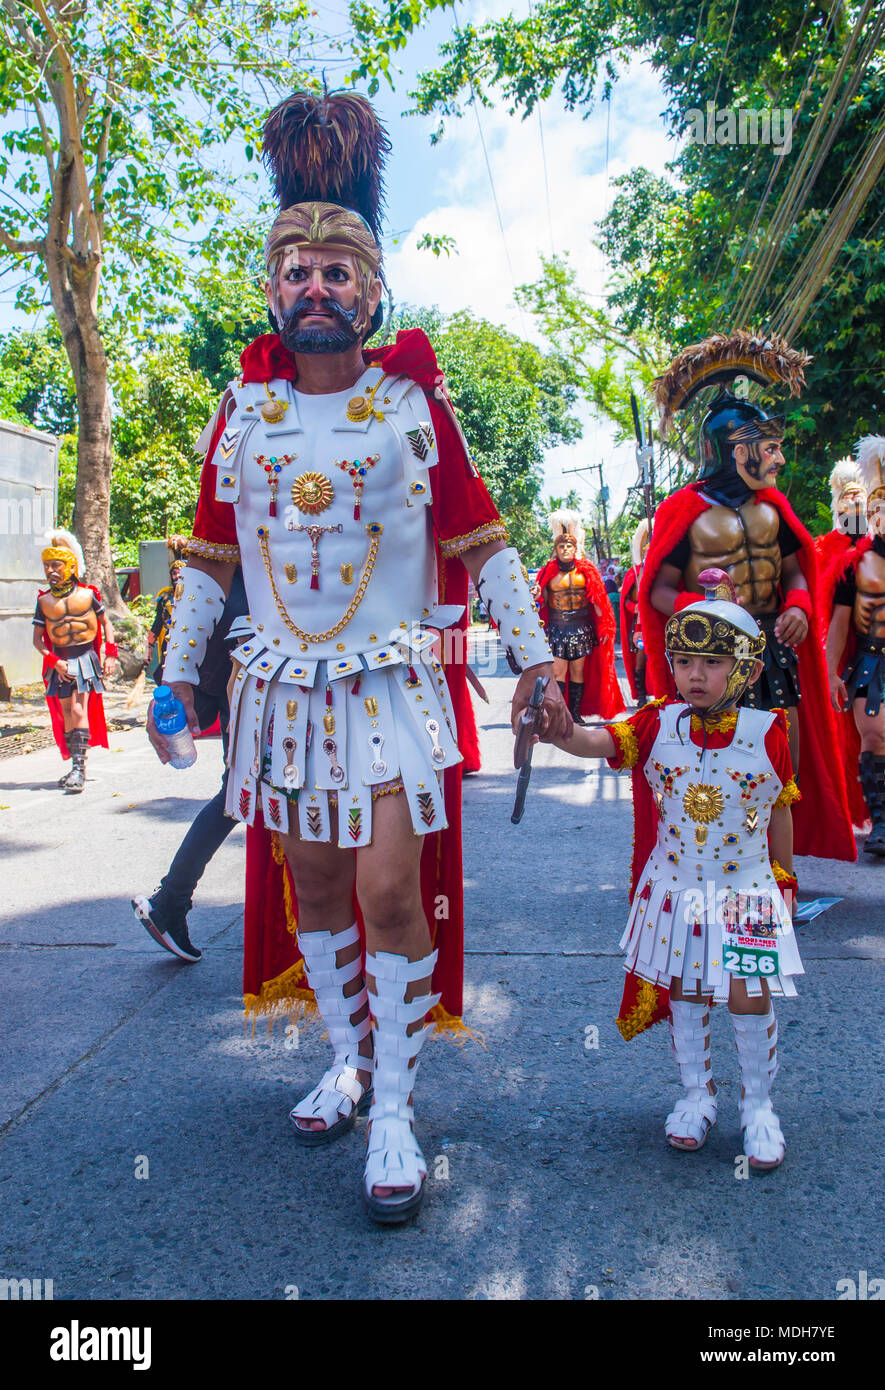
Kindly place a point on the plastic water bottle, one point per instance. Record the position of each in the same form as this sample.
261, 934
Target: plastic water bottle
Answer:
171, 721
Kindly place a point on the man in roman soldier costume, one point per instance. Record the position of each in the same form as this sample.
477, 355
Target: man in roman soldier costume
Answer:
632, 646
733, 517
580, 623
69, 622
856, 651
340, 479
158, 635
849, 519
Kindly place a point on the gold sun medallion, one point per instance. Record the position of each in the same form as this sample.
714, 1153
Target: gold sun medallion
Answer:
702, 802
312, 493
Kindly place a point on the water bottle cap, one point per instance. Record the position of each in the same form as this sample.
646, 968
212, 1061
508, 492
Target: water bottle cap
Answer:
162, 692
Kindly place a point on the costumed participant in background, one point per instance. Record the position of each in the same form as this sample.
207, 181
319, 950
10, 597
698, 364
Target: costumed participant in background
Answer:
69, 622
580, 623
712, 875
341, 480
158, 635
849, 524
164, 914
856, 651
733, 517
632, 646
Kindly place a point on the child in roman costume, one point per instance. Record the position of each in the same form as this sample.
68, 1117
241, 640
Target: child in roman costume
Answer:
713, 847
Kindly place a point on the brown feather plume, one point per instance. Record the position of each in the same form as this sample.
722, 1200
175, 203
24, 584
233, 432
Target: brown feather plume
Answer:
719, 360
330, 149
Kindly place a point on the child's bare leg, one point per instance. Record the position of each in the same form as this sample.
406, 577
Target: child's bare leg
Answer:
689, 1121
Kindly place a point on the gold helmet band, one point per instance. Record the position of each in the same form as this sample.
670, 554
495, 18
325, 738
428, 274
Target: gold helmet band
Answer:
62, 554
717, 626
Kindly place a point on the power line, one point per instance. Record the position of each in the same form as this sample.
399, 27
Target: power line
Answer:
475, 104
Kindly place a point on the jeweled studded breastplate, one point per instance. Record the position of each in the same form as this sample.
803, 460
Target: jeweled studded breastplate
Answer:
331, 495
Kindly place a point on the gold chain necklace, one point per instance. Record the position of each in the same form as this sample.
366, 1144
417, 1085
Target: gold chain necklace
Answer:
264, 543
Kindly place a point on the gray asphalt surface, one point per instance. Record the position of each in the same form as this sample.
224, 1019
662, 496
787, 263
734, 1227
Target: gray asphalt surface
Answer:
144, 1146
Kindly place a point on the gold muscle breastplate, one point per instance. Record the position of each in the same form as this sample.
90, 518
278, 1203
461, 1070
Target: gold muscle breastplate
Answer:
744, 543
567, 593
869, 599
70, 621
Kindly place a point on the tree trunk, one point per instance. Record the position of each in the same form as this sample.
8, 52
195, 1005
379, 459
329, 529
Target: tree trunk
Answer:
92, 497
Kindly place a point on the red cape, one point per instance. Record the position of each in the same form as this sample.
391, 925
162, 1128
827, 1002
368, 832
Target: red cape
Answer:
629, 616
273, 968
842, 560
821, 820
98, 729
602, 694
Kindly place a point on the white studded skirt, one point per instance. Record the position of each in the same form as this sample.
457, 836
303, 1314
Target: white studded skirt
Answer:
681, 925
321, 735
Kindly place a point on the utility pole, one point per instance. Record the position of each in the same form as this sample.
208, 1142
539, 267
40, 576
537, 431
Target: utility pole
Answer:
602, 499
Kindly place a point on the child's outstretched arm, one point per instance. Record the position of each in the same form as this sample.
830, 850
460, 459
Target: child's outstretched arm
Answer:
588, 743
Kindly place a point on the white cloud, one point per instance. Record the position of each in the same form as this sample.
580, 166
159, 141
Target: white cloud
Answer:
479, 276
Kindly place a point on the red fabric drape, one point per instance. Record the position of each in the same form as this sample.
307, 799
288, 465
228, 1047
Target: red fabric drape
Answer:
821, 820
842, 561
629, 617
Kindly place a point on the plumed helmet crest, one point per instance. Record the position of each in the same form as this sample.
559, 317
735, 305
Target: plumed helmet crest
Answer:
564, 521
719, 360
871, 464
639, 540
328, 148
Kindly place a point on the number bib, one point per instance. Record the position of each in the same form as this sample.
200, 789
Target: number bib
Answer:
748, 952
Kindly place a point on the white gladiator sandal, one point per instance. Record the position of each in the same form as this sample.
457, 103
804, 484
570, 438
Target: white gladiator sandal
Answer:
393, 1158
694, 1115
757, 1053
339, 1097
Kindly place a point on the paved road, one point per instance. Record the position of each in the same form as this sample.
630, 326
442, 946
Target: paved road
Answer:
144, 1145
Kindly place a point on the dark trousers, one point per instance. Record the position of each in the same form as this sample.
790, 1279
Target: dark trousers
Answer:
208, 832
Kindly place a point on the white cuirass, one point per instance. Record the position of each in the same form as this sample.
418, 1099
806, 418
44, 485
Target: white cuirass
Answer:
373, 572
714, 806
339, 697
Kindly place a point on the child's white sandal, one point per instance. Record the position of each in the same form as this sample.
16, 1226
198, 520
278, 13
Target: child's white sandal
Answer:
694, 1115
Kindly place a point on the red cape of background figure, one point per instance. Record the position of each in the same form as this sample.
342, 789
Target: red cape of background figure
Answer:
821, 820
846, 560
273, 969
98, 729
602, 694
629, 617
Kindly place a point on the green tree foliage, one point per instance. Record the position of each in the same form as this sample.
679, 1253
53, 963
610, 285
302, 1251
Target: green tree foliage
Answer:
156, 473
115, 155
513, 402
36, 385
683, 248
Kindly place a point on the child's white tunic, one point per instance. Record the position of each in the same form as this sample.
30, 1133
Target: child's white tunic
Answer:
710, 860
